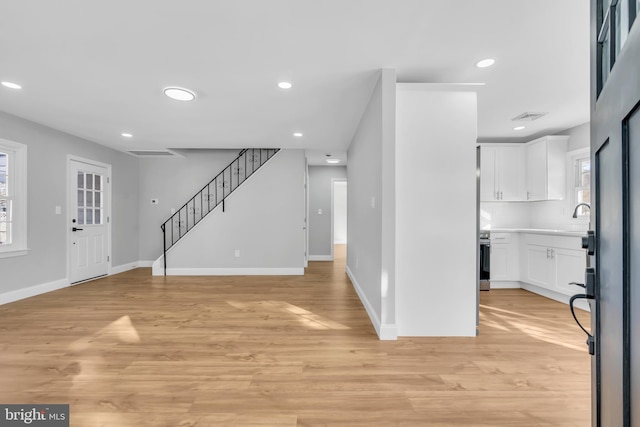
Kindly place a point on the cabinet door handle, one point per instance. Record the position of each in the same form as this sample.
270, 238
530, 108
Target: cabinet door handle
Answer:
548, 256
553, 253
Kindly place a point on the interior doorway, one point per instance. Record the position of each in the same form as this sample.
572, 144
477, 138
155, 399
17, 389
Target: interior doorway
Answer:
338, 213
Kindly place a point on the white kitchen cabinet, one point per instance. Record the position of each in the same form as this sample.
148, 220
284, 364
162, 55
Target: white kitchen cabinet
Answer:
538, 266
570, 266
502, 173
504, 258
552, 262
546, 168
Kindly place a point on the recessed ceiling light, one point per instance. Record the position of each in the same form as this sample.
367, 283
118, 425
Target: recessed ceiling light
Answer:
126, 135
333, 161
285, 85
297, 134
179, 94
11, 85
518, 128
485, 63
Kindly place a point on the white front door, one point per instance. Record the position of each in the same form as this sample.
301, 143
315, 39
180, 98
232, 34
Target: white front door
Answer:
87, 220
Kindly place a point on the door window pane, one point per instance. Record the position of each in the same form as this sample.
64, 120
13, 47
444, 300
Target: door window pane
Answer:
90, 188
605, 63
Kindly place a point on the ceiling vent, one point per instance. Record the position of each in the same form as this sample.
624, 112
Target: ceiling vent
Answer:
527, 117
151, 153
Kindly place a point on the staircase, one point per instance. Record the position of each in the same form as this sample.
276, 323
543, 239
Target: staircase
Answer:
212, 195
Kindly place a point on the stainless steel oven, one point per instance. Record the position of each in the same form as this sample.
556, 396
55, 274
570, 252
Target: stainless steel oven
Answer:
485, 260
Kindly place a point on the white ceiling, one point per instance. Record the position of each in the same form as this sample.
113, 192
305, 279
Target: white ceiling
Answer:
97, 69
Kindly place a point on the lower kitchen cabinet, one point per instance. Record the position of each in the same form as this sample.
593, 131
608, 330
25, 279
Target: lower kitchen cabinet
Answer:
538, 267
552, 262
504, 259
570, 266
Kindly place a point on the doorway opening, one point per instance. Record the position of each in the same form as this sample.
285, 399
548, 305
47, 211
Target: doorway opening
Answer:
338, 216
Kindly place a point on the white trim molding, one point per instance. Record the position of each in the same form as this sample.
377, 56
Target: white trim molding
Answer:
386, 332
234, 272
505, 284
320, 257
32, 291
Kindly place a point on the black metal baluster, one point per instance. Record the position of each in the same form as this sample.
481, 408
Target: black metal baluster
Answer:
164, 248
223, 179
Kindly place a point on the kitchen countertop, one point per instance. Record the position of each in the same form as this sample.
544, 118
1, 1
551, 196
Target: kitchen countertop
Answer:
539, 231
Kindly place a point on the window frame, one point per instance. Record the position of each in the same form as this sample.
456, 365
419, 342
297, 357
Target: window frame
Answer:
17, 177
573, 157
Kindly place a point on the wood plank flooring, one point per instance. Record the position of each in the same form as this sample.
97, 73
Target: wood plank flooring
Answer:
137, 350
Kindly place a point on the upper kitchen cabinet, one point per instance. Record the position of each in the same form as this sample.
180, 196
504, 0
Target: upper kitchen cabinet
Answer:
502, 173
546, 168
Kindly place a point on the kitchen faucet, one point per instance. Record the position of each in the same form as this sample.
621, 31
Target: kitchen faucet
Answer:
575, 211
575, 215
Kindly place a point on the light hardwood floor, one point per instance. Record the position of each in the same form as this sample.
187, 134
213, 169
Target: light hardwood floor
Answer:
137, 350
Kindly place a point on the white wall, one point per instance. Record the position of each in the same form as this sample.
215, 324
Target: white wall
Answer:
172, 181
371, 201
339, 212
263, 219
320, 184
435, 211
47, 151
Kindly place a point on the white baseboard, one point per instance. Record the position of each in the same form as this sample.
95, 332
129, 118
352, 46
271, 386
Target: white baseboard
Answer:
386, 331
581, 303
32, 291
129, 266
504, 284
320, 258
233, 272
122, 268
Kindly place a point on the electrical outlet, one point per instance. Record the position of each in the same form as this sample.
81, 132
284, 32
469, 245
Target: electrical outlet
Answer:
237, 253
319, 211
